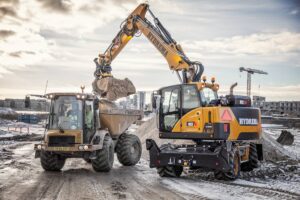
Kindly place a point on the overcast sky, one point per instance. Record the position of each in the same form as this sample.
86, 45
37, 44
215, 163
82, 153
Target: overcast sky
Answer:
56, 40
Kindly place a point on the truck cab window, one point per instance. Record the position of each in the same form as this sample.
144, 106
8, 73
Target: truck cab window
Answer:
66, 113
89, 116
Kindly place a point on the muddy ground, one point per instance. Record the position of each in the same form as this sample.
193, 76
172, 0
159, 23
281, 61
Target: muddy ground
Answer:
21, 177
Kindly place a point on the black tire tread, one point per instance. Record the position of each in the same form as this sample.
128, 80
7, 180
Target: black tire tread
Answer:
51, 162
124, 144
103, 162
253, 159
170, 171
229, 176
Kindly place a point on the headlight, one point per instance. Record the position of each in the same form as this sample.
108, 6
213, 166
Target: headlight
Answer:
86, 147
80, 147
39, 146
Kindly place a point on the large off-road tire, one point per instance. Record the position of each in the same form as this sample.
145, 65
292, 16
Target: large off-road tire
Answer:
253, 159
170, 171
51, 161
129, 149
104, 157
235, 168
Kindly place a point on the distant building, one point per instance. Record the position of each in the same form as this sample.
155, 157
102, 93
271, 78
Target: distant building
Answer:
258, 101
19, 104
291, 108
282, 107
135, 101
141, 100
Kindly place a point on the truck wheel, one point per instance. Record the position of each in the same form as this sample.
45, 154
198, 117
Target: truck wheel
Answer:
129, 149
51, 162
234, 163
104, 157
170, 171
253, 159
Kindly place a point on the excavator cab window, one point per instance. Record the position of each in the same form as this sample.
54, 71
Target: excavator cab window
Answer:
207, 96
170, 107
176, 101
190, 96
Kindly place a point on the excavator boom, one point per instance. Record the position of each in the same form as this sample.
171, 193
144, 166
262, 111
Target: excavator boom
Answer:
159, 37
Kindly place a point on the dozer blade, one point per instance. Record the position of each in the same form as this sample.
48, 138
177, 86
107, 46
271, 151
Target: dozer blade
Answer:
112, 88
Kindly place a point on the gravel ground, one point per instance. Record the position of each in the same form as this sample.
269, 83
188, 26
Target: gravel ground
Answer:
21, 177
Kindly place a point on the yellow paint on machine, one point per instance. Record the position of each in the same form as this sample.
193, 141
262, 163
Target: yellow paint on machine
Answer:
76, 133
205, 115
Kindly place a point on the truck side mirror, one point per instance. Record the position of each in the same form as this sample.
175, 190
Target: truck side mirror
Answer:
27, 102
96, 104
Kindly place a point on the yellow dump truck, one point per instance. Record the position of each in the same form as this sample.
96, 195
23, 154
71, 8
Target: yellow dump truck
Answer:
82, 126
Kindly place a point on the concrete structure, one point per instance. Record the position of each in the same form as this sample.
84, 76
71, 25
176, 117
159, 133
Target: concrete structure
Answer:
136, 101
282, 108
258, 101
19, 104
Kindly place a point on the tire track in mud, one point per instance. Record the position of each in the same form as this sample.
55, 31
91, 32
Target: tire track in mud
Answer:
263, 191
269, 192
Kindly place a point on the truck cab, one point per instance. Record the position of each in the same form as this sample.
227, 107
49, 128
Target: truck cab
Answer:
74, 129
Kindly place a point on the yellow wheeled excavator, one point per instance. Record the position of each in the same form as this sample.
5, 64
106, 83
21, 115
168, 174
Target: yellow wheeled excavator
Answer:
225, 130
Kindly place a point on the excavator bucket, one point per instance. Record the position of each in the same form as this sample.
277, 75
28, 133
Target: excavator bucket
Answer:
112, 88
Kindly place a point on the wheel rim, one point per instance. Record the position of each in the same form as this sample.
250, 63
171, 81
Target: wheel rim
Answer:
236, 166
134, 149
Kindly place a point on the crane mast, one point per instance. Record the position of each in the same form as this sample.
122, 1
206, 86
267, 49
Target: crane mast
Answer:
251, 71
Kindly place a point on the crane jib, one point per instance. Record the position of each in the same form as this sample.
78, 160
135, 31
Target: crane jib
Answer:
157, 44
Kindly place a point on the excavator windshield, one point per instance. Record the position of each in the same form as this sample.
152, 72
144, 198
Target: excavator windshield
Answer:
208, 95
66, 113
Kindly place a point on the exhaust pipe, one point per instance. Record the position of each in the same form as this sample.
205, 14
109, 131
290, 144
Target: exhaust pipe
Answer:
233, 86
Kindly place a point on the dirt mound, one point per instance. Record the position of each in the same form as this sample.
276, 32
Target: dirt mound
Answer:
112, 88
274, 151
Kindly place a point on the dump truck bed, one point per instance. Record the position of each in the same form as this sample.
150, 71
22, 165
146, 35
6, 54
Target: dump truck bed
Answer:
117, 120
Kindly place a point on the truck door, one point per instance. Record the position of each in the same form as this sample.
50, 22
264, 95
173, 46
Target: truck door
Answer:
170, 111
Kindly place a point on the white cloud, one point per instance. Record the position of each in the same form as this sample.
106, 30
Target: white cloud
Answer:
294, 12
257, 44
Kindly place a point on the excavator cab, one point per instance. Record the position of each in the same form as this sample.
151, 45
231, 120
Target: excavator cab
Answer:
177, 101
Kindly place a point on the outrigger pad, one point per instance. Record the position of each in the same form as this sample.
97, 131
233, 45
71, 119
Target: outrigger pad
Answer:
112, 88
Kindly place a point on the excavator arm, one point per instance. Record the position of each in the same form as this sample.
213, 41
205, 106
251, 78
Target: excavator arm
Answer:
156, 33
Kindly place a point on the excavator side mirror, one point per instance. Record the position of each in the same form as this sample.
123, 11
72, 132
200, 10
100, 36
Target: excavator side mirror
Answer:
27, 102
153, 101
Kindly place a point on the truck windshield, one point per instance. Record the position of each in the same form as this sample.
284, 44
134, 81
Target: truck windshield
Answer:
66, 113
208, 95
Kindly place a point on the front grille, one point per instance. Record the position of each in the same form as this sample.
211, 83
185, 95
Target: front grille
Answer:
61, 141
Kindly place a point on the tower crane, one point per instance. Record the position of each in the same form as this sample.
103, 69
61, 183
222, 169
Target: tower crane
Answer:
251, 71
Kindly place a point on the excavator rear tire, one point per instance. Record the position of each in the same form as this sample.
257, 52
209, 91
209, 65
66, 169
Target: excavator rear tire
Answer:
170, 171
52, 162
253, 162
129, 149
104, 157
235, 168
